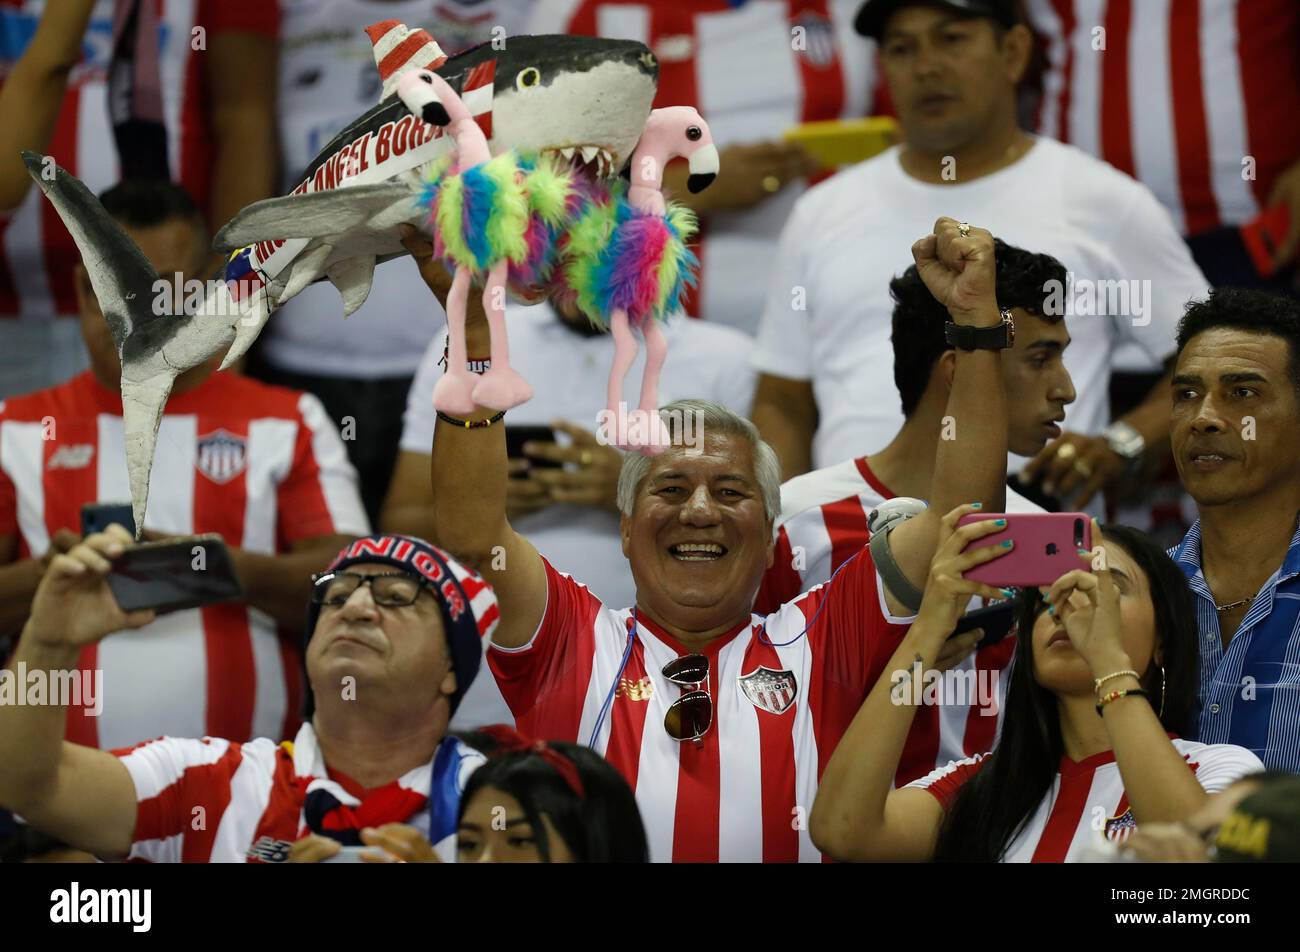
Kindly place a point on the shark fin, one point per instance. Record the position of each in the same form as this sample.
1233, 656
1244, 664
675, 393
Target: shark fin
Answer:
314, 215
353, 277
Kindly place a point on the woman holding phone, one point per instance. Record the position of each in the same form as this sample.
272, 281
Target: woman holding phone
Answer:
1106, 674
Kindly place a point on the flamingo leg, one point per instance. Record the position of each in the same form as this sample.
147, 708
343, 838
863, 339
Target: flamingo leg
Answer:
502, 387
625, 348
453, 392
656, 350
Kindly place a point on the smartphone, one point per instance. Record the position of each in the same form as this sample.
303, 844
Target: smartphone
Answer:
1046, 547
997, 620
517, 436
174, 575
1263, 236
98, 516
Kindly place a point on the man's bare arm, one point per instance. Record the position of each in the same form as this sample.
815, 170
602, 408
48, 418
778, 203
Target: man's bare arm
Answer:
408, 507
785, 412
82, 796
33, 93
241, 70
972, 467
468, 474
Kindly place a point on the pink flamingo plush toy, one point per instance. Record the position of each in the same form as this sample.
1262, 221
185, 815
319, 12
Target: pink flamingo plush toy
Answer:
640, 274
482, 225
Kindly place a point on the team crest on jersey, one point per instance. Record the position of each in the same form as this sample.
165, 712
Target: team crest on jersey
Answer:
819, 39
642, 690
71, 456
1119, 827
221, 456
269, 851
769, 690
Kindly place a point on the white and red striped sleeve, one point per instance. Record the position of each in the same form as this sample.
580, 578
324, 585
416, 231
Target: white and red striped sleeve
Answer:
1219, 766
182, 790
782, 582
8, 492
545, 681
944, 782
320, 495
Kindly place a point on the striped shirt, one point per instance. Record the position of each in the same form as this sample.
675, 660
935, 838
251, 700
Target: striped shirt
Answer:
1250, 691
251, 796
823, 524
1087, 799
782, 700
753, 70
37, 255
1196, 99
263, 466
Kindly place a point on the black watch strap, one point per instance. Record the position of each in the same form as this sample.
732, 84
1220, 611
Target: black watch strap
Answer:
964, 337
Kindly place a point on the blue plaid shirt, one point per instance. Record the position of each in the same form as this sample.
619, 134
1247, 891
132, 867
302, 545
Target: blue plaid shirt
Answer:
1250, 691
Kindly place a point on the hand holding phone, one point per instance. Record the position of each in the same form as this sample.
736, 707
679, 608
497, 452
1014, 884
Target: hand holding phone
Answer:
175, 574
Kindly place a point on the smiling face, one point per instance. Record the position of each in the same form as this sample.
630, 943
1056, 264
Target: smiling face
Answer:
400, 651
1235, 416
699, 538
495, 829
949, 75
1059, 668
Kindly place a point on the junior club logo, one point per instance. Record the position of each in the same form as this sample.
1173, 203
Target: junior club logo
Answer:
769, 690
221, 456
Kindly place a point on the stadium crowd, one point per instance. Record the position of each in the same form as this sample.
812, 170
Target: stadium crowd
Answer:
502, 639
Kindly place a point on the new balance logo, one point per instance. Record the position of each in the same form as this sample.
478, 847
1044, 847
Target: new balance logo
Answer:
269, 850
71, 456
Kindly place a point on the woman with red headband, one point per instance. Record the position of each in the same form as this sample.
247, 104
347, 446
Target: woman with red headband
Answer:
539, 802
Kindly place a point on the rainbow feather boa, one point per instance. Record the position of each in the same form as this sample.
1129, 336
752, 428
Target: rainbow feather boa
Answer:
564, 234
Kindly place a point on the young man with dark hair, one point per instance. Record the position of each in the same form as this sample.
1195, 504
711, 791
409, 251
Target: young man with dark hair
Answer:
823, 521
1236, 442
261, 466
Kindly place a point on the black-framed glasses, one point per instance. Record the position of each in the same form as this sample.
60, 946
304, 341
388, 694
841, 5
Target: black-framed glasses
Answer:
388, 589
691, 715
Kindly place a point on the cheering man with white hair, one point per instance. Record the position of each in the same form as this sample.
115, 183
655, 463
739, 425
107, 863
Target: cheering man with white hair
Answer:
687, 693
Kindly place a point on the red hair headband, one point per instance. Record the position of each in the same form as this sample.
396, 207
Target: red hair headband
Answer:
510, 741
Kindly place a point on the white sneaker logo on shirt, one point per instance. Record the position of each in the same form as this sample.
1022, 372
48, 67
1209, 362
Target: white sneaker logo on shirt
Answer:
71, 456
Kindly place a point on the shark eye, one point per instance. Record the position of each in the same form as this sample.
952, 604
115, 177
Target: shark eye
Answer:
426, 77
528, 78
693, 133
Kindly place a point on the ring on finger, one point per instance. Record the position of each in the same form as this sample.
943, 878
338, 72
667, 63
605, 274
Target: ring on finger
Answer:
1083, 469
963, 229
1066, 451
771, 184
586, 458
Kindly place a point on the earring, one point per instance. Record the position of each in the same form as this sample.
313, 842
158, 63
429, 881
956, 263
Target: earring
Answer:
1162, 692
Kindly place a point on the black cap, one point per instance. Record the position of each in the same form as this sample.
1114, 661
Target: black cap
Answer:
874, 14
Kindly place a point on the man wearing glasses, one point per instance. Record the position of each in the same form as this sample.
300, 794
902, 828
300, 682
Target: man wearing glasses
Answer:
394, 640
719, 719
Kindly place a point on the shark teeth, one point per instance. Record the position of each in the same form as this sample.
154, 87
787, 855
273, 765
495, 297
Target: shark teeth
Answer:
591, 155
567, 153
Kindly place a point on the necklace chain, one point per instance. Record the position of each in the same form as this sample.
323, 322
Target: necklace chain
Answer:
1237, 604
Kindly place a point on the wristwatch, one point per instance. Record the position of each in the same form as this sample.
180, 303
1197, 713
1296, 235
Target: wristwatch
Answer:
964, 337
1125, 442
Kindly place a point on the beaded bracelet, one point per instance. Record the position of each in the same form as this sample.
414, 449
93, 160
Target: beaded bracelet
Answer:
1096, 685
1116, 695
471, 424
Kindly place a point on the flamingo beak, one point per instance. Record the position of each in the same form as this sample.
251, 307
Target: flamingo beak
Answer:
704, 165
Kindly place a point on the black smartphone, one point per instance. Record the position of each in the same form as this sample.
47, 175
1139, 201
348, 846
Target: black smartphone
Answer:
997, 620
98, 516
517, 436
175, 574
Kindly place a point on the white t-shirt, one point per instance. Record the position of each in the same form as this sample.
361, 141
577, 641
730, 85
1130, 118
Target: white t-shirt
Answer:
849, 236
568, 373
328, 78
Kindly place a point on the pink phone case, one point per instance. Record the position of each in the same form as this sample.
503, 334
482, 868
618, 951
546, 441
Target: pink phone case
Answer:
1047, 545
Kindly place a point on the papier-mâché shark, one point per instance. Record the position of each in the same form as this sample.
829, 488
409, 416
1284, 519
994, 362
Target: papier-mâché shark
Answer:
583, 97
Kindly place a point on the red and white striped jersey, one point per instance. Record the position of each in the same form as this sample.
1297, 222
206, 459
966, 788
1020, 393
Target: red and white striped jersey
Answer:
37, 255
823, 524
1197, 99
784, 691
1087, 799
263, 466
743, 68
252, 796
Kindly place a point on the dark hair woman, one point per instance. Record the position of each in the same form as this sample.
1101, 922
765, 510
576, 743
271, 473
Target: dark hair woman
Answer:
540, 802
1106, 674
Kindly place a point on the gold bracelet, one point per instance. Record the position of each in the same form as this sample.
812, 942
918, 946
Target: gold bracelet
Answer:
1116, 695
1096, 685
